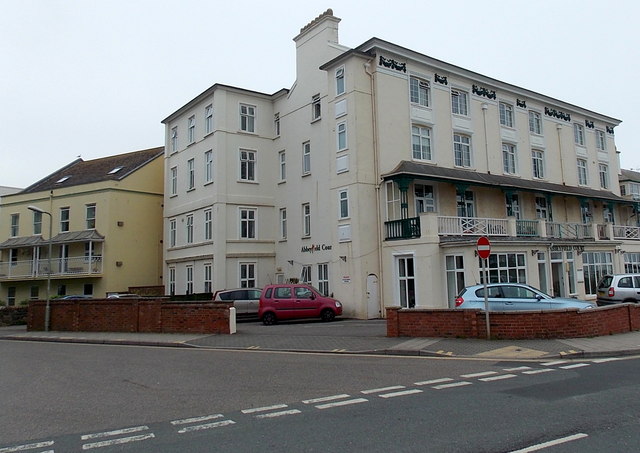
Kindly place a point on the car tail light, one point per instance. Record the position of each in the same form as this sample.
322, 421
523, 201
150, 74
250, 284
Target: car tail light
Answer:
459, 301
612, 292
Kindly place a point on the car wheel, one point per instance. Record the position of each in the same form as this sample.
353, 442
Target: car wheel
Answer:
268, 319
327, 315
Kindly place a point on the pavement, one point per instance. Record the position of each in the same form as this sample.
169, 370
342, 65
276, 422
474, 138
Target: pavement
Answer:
349, 336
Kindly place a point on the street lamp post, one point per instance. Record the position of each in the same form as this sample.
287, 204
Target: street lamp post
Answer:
47, 310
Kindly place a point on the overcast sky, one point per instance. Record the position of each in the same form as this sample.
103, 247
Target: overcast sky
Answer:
93, 78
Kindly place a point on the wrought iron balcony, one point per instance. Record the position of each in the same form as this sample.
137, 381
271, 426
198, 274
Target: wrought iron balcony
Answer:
402, 229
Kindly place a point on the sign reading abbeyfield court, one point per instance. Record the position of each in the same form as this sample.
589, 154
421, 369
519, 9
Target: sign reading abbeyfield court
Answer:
314, 248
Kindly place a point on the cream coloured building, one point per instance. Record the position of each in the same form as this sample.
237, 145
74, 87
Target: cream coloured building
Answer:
106, 219
374, 174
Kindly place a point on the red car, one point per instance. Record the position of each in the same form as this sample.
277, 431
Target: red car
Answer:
296, 301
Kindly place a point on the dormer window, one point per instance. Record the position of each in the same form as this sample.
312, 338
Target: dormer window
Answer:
63, 179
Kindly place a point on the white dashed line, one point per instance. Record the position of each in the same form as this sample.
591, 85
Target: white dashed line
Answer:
342, 403
119, 441
116, 432
551, 443
434, 381
498, 378
557, 362
204, 426
475, 375
520, 368
383, 389
27, 447
608, 359
453, 384
324, 399
279, 414
263, 409
541, 370
575, 365
403, 393
204, 418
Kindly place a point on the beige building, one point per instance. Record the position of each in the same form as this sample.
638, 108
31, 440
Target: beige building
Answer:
373, 176
106, 225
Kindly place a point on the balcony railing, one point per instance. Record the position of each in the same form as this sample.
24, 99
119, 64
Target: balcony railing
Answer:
569, 230
60, 267
626, 232
403, 228
472, 226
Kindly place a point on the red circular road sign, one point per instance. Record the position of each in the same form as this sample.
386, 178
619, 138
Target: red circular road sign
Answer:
484, 247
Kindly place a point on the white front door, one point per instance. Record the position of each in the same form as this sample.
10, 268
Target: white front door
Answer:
373, 297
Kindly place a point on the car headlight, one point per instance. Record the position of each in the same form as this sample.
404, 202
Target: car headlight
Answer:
338, 304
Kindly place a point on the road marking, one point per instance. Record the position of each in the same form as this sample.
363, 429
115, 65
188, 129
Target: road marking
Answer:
542, 370
338, 350
117, 432
342, 403
121, 440
219, 424
278, 414
454, 384
263, 409
253, 347
575, 365
557, 362
449, 353
324, 399
403, 393
498, 378
608, 359
474, 375
520, 368
434, 381
551, 443
383, 389
204, 418
26, 447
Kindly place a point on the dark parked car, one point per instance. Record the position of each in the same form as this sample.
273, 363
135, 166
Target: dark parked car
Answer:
515, 296
245, 300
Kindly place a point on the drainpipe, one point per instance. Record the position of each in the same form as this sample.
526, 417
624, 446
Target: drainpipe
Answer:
376, 169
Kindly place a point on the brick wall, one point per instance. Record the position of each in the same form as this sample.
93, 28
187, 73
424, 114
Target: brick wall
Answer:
513, 325
131, 315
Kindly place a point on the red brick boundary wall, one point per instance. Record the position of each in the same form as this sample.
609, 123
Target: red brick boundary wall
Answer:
513, 325
131, 315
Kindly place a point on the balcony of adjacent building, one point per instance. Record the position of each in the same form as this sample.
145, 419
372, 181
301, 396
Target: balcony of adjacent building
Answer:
74, 255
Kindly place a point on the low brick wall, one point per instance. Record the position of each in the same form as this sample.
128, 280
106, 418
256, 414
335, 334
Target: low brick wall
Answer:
513, 325
131, 315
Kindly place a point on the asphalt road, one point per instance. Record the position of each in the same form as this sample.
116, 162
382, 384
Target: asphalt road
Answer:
70, 397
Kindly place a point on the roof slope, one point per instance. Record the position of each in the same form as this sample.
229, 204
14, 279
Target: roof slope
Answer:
96, 170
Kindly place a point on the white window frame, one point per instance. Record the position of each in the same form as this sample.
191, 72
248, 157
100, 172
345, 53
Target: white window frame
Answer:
283, 223
65, 219
305, 274
208, 119
462, 150
248, 223
248, 118
248, 165
542, 208
208, 224
172, 281
424, 202
506, 114
421, 142
174, 139
208, 166
306, 158
340, 81
535, 122
459, 102
37, 222
578, 134
15, 225
341, 136
323, 278
191, 174
174, 181
207, 280
509, 158
603, 173
583, 173
276, 124
393, 208
189, 229
306, 219
316, 108
189, 279
173, 231
191, 129
343, 204
246, 275
419, 91
90, 216
406, 280
282, 165
601, 140
537, 163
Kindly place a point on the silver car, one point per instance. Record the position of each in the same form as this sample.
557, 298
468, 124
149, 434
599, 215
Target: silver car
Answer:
619, 288
245, 300
515, 296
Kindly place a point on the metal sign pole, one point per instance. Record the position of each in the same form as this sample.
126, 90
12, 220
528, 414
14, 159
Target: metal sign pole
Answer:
486, 298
